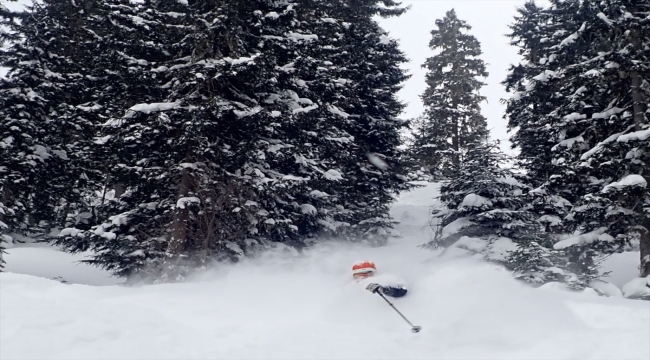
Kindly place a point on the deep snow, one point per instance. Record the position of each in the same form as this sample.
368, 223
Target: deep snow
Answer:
289, 306
44, 261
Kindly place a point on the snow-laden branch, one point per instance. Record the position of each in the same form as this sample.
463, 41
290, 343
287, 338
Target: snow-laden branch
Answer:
154, 107
587, 238
630, 180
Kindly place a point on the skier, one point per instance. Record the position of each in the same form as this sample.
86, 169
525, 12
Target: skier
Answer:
364, 273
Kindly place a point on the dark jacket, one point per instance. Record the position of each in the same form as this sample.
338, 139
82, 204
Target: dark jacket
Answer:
389, 285
393, 291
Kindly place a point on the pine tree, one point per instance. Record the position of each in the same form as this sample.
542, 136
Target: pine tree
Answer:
6, 16
536, 31
354, 80
573, 101
48, 115
535, 83
416, 172
428, 157
178, 194
452, 100
482, 201
489, 211
266, 123
614, 157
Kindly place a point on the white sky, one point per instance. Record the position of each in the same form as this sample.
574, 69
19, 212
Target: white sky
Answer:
489, 20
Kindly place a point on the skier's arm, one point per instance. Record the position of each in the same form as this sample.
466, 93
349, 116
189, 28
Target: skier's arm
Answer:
393, 291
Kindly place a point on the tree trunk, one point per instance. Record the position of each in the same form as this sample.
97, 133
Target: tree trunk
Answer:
638, 108
5, 197
639, 120
455, 136
119, 190
637, 99
179, 231
454, 142
458, 88
644, 246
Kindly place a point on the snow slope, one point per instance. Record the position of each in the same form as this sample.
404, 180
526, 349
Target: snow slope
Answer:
46, 261
289, 306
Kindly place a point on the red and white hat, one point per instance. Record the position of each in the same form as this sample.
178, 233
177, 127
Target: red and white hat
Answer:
364, 266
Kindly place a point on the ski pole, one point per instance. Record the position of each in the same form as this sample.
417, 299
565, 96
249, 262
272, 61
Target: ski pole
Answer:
414, 328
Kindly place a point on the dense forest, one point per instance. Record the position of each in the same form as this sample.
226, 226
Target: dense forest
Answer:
167, 135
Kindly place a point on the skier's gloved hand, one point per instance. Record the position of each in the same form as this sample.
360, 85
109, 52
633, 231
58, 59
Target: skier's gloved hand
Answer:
373, 288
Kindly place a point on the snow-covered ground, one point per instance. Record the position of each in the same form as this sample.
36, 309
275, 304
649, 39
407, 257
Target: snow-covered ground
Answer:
288, 306
45, 261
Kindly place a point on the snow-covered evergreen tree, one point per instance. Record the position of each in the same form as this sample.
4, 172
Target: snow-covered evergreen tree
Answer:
452, 119
48, 115
489, 212
614, 155
575, 96
530, 113
483, 201
178, 151
353, 81
277, 124
416, 170
6, 16
136, 50
532, 84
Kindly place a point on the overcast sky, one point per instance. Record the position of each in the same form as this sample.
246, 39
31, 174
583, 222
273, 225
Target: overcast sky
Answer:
489, 20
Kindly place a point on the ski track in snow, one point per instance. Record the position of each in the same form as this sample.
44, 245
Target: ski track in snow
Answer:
285, 306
